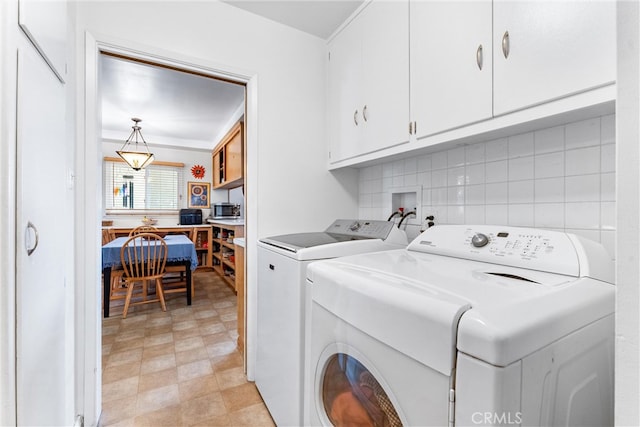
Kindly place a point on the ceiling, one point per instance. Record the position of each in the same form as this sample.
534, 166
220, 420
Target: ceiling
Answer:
186, 110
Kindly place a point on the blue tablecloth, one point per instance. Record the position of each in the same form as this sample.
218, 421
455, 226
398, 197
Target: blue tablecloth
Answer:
179, 248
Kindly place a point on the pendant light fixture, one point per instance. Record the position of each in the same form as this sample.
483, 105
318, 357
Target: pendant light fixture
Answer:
134, 158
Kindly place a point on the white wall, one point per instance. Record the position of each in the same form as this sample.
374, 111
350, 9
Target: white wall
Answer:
557, 178
288, 187
190, 158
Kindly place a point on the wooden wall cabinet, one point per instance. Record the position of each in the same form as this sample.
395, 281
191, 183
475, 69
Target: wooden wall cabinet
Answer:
224, 251
228, 160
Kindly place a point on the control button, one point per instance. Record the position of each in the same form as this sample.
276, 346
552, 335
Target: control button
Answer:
355, 226
479, 240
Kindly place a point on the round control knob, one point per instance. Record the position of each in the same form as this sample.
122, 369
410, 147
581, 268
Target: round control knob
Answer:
479, 240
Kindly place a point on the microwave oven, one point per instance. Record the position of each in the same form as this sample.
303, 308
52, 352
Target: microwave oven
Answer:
225, 210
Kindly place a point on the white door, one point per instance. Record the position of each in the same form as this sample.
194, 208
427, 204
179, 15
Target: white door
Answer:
42, 329
385, 67
451, 64
549, 49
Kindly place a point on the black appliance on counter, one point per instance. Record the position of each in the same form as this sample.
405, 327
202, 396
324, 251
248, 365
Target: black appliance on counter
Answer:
190, 216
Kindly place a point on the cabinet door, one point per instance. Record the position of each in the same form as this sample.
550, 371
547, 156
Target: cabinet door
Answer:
345, 93
385, 66
555, 49
218, 168
451, 64
234, 164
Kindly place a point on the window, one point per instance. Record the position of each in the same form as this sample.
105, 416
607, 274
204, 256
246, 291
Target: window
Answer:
156, 187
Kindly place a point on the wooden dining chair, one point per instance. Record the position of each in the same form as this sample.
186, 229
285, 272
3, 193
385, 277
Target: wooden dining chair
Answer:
143, 229
143, 257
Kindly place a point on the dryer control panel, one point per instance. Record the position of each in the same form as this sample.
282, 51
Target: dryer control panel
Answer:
536, 249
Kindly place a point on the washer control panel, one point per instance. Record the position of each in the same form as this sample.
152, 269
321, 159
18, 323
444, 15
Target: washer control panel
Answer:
366, 229
537, 249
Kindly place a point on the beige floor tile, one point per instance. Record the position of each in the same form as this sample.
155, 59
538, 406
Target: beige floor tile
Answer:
159, 363
255, 416
119, 372
169, 417
184, 357
119, 389
215, 338
157, 330
190, 343
118, 346
205, 314
157, 380
228, 361
221, 348
241, 396
158, 398
115, 411
185, 324
231, 377
158, 339
202, 408
212, 328
198, 387
122, 357
193, 370
157, 350
186, 333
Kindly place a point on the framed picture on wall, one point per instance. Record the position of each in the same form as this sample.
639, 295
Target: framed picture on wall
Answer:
198, 194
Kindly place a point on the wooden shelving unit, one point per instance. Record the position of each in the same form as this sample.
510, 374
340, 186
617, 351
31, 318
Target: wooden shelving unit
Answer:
224, 251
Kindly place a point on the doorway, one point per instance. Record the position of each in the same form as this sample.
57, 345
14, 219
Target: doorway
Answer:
89, 209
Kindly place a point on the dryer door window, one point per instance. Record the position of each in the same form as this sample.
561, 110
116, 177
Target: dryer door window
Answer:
352, 396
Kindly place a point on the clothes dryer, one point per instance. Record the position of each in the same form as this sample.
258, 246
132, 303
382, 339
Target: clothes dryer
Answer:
282, 264
469, 326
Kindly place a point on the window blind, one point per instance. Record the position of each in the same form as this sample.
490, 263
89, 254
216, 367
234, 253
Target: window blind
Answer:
155, 187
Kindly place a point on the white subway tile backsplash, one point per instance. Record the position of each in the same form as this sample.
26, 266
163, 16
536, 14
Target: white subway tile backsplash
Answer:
521, 215
583, 215
582, 161
549, 165
497, 171
560, 178
455, 196
549, 190
439, 178
497, 150
455, 157
439, 160
582, 188
521, 168
521, 145
496, 214
474, 194
549, 140
608, 187
608, 129
475, 174
521, 191
424, 163
455, 176
474, 153
608, 158
497, 193
549, 215
582, 134
608, 216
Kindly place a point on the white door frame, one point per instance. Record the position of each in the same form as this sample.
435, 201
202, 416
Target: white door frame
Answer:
88, 204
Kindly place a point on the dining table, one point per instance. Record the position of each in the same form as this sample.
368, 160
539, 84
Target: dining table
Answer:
180, 251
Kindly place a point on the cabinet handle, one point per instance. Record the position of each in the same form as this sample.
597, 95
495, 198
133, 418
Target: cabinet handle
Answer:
364, 113
505, 44
30, 250
479, 58
355, 117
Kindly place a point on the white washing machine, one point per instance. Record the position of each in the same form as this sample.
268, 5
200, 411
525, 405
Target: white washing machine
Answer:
282, 264
469, 326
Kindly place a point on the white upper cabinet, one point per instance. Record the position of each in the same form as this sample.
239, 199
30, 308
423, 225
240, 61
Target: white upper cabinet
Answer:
45, 23
545, 50
368, 106
451, 64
